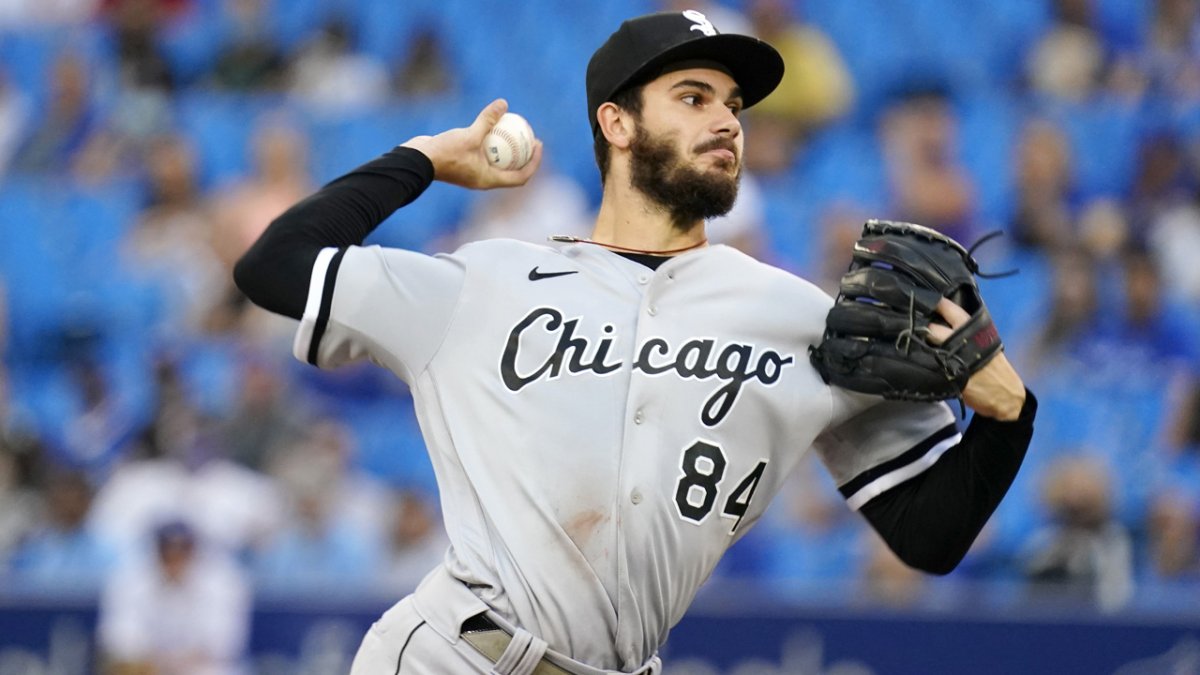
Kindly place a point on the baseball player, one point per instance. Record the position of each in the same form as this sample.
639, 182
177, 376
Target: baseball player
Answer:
606, 418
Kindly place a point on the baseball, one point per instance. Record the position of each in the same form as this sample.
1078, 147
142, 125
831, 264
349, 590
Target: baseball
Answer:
509, 145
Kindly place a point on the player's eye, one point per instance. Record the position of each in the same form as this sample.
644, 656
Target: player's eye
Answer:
691, 99
735, 108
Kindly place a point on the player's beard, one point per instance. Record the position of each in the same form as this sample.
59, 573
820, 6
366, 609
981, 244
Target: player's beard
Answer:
689, 194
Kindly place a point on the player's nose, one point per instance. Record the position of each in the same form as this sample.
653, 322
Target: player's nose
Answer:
726, 123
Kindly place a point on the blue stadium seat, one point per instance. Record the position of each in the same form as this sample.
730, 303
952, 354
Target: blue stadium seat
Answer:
390, 444
221, 127
28, 56
1124, 24
192, 41
987, 131
386, 28
1104, 137
58, 261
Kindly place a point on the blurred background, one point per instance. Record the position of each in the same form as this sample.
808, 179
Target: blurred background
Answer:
177, 495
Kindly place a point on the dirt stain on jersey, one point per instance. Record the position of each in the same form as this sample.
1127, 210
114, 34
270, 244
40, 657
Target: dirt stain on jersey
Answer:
584, 526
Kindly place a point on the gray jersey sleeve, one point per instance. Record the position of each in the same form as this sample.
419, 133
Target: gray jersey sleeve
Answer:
389, 305
874, 445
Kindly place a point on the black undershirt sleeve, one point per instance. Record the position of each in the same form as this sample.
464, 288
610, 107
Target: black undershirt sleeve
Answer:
931, 520
274, 272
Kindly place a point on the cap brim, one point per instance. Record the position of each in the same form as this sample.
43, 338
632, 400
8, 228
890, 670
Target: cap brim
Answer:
754, 65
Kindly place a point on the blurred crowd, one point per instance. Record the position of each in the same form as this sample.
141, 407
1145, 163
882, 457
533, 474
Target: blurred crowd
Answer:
158, 444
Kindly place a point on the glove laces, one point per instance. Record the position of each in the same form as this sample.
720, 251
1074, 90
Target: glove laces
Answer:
943, 357
905, 337
971, 254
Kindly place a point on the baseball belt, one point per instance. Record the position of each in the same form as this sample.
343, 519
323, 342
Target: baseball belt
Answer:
492, 641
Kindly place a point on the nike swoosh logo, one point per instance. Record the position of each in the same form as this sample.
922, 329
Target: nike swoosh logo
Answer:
535, 275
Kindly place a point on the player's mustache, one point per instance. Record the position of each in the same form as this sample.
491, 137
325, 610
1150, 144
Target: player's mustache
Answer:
718, 143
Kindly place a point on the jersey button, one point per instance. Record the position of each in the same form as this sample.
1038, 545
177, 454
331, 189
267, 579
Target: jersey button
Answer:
652, 310
644, 279
638, 417
636, 496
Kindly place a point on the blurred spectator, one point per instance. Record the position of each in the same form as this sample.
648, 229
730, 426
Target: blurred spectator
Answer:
1183, 430
928, 184
886, 580
279, 178
62, 551
1160, 341
178, 471
1174, 540
141, 107
744, 227
816, 86
1072, 313
21, 462
1067, 63
326, 458
170, 245
142, 67
550, 203
14, 116
249, 60
21, 457
266, 421
161, 9
1045, 199
416, 542
1165, 179
102, 418
840, 225
313, 552
331, 76
425, 69
336, 528
1171, 57
1172, 237
1166, 205
815, 90
63, 130
1159, 344
1084, 554
183, 611
770, 149
1104, 230
23, 13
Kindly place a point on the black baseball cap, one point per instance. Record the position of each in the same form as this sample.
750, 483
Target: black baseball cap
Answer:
643, 47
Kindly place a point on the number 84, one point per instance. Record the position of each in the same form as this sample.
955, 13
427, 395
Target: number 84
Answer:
696, 493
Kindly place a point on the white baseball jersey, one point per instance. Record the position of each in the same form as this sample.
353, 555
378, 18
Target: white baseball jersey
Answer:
602, 432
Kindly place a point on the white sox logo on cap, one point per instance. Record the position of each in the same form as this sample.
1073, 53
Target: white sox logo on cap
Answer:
702, 23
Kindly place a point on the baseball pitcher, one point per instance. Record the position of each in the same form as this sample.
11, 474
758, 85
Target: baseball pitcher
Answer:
607, 417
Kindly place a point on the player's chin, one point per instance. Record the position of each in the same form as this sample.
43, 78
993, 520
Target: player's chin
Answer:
720, 164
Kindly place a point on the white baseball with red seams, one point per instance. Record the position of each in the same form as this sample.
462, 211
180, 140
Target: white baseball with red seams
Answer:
509, 145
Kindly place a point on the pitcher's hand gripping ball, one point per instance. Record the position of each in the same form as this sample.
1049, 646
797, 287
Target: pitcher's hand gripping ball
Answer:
509, 145
876, 334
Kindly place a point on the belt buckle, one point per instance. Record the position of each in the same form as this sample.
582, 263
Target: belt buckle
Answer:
492, 641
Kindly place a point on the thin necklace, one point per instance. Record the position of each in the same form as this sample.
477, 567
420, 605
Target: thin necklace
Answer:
577, 240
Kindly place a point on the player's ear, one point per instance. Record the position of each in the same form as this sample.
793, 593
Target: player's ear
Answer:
616, 124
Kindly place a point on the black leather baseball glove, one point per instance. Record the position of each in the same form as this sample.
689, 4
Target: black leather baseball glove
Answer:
876, 334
